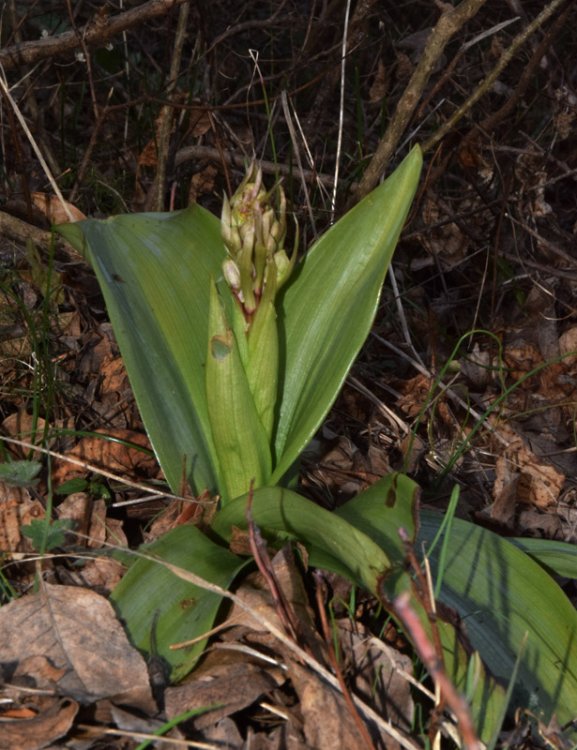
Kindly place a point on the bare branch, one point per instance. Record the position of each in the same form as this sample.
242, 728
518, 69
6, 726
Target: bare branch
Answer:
98, 31
451, 21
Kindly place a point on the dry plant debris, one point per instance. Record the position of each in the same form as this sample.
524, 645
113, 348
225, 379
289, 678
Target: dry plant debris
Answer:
158, 104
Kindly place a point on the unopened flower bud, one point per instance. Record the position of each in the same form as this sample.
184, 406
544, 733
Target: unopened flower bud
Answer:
254, 230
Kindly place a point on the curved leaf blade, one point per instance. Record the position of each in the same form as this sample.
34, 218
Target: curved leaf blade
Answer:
329, 305
502, 594
557, 557
160, 609
154, 271
283, 515
361, 542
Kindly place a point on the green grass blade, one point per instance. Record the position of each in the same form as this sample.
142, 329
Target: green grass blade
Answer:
154, 271
160, 609
502, 594
329, 305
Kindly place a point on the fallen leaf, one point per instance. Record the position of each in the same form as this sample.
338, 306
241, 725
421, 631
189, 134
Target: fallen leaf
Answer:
379, 85
90, 520
539, 483
109, 452
56, 210
328, 722
77, 630
41, 729
17, 509
217, 686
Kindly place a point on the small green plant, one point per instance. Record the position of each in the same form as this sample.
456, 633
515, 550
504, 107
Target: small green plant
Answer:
236, 353
46, 535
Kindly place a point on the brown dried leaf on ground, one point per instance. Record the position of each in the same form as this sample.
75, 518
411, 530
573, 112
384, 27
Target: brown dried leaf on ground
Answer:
23, 426
538, 482
101, 369
32, 724
109, 452
17, 509
95, 530
416, 393
56, 210
227, 682
374, 671
77, 631
327, 721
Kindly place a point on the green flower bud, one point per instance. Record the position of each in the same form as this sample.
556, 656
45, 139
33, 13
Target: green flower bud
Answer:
231, 274
253, 225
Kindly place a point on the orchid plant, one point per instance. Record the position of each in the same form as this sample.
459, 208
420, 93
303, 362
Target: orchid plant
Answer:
236, 351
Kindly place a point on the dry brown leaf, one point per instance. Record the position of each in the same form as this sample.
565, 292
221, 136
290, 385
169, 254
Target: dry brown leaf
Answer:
539, 482
416, 393
90, 520
255, 593
568, 346
379, 85
444, 239
17, 509
202, 183
218, 684
505, 491
328, 722
373, 671
200, 122
46, 724
107, 453
24, 426
55, 210
77, 630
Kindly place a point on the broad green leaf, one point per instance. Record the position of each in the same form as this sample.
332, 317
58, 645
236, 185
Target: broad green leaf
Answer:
363, 544
283, 515
263, 363
155, 271
557, 557
159, 609
241, 442
329, 305
502, 594
381, 511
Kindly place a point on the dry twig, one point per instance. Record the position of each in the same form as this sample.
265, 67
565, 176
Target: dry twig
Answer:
98, 31
451, 21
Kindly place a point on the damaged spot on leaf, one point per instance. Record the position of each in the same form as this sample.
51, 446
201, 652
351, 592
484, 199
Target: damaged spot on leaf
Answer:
220, 347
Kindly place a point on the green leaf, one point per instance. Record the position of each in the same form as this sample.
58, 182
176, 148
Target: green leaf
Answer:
46, 535
155, 271
20, 473
381, 511
283, 515
263, 363
556, 557
160, 609
241, 442
361, 542
502, 594
329, 305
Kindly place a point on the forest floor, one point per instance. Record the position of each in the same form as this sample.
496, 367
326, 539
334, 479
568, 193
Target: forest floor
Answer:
468, 378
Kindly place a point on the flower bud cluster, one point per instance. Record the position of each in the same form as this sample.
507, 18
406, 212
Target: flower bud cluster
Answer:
254, 232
